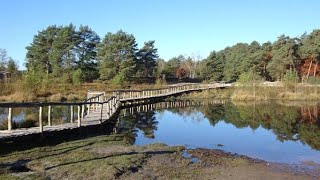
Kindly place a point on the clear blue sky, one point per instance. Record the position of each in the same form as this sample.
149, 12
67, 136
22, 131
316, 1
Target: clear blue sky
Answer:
188, 27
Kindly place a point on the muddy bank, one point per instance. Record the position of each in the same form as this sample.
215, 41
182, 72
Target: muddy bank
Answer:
108, 157
217, 164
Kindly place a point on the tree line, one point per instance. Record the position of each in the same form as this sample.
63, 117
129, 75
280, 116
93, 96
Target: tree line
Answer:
76, 55
68, 54
271, 61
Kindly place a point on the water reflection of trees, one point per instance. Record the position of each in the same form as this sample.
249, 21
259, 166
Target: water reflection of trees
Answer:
130, 124
286, 122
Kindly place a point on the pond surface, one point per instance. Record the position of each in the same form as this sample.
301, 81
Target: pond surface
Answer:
29, 117
274, 131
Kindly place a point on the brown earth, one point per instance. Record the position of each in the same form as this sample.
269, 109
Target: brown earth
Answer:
217, 164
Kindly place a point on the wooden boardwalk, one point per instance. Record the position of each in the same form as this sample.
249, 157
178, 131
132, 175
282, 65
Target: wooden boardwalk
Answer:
96, 110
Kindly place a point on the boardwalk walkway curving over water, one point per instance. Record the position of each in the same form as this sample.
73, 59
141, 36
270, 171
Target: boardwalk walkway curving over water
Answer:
97, 109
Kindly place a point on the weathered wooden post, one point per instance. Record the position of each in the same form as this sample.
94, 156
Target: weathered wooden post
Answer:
49, 115
71, 114
110, 107
107, 110
79, 115
10, 119
118, 99
40, 119
97, 105
101, 111
82, 111
88, 106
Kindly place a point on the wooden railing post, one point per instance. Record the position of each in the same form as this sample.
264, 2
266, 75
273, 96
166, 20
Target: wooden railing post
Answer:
82, 111
101, 111
88, 106
96, 105
79, 115
118, 100
40, 119
10, 119
113, 105
108, 109
49, 115
71, 114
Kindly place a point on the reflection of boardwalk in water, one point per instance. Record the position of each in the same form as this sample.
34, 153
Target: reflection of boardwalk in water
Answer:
167, 105
95, 110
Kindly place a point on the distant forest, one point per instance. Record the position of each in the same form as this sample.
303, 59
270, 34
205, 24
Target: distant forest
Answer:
76, 55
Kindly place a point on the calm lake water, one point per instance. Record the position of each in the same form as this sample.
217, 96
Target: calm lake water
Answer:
274, 131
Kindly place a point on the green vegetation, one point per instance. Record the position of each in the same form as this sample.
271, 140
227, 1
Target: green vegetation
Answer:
68, 57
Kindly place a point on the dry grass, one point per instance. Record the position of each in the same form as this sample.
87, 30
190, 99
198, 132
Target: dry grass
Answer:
16, 92
19, 96
275, 93
210, 94
260, 94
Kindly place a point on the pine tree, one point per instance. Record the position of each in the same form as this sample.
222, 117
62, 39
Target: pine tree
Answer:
3, 59
116, 55
146, 59
311, 49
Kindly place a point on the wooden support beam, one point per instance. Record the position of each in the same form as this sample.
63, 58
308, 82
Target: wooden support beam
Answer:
101, 111
71, 114
107, 110
88, 106
79, 115
49, 115
40, 119
82, 112
10, 119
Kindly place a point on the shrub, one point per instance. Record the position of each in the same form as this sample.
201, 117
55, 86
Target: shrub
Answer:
290, 77
248, 78
314, 80
77, 78
119, 79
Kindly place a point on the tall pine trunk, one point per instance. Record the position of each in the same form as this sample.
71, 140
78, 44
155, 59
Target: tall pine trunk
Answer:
309, 69
315, 69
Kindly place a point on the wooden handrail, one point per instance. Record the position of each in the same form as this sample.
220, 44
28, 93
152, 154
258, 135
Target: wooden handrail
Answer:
99, 102
37, 104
